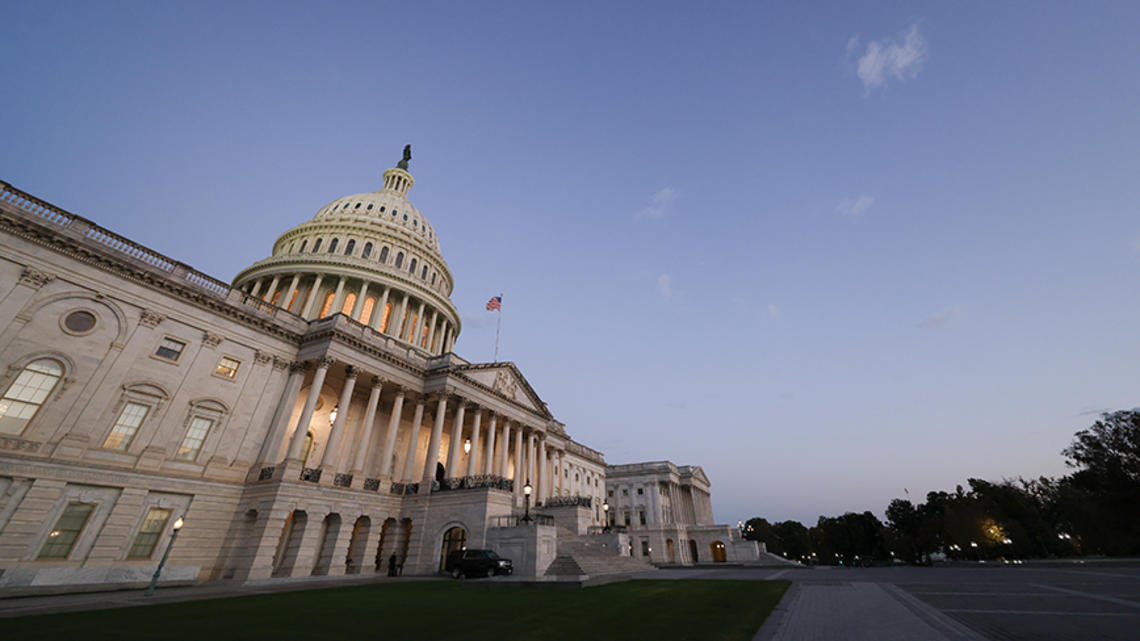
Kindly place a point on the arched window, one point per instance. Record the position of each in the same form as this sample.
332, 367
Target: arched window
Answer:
423, 341
383, 254
327, 306
384, 319
399, 260
366, 312
349, 303
367, 253
304, 244
412, 267
317, 246
27, 394
423, 274
433, 278
307, 447
454, 539
332, 246
349, 246
291, 246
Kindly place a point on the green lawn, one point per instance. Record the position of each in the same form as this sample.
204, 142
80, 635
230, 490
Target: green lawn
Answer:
659, 610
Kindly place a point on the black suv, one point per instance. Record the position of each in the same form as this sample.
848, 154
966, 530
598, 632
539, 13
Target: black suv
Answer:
475, 563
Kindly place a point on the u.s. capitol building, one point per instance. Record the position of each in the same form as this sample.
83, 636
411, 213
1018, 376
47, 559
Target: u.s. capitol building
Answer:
308, 419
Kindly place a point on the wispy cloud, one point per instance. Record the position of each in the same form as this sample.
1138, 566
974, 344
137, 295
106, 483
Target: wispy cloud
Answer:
773, 311
665, 286
940, 319
852, 207
900, 58
659, 205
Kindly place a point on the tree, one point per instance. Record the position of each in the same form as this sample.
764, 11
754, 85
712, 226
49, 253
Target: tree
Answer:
1110, 449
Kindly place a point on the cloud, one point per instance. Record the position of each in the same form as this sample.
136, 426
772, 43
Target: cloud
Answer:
941, 318
889, 58
773, 311
852, 207
659, 204
665, 286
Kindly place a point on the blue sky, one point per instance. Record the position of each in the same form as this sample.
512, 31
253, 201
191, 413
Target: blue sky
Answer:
826, 253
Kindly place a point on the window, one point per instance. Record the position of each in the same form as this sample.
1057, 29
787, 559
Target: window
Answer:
399, 260
641, 516
644, 547
327, 306
349, 246
304, 243
625, 491
423, 274
79, 322
357, 206
627, 518
126, 426
349, 303
27, 394
332, 245
152, 527
412, 267
369, 206
383, 254
433, 278
192, 442
228, 367
384, 319
381, 209
170, 349
640, 491
317, 246
366, 311
367, 253
610, 494
67, 529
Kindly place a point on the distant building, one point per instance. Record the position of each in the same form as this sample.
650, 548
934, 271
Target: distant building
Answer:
308, 419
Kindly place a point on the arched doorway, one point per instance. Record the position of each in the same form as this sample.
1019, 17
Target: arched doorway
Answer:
693, 551
289, 543
717, 549
670, 551
454, 538
330, 528
384, 546
354, 560
440, 472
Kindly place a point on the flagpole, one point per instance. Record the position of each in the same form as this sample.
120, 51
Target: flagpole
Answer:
498, 326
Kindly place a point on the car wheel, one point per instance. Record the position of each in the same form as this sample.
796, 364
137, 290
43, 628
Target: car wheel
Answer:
456, 573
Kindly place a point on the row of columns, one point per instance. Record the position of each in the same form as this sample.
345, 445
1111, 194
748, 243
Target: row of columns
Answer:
406, 321
490, 451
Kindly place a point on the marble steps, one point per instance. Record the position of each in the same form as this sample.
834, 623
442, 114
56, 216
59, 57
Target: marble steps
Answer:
591, 558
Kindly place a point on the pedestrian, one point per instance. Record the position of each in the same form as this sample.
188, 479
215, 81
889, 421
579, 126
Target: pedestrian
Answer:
392, 565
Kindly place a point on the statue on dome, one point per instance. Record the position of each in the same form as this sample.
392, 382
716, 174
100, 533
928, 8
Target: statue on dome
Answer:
403, 164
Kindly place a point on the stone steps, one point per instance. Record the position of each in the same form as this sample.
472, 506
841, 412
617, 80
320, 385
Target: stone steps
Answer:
583, 554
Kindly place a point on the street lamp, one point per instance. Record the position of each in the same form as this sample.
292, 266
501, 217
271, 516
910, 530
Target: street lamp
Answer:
740, 526
606, 515
527, 489
154, 579
467, 446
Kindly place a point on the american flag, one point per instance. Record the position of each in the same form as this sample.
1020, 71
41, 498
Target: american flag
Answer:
496, 302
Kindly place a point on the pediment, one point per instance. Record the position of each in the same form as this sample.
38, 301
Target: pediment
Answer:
507, 381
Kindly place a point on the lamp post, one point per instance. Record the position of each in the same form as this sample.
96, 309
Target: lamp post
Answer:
606, 515
740, 526
154, 579
527, 489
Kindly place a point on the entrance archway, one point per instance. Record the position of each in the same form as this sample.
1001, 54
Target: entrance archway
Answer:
330, 528
289, 543
670, 551
454, 538
354, 560
693, 550
718, 555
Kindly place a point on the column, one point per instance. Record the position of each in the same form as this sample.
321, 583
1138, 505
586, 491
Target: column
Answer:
378, 311
328, 457
433, 445
289, 292
268, 295
431, 332
561, 472
256, 287
654, 515
272, 443
359, 306
472, 459
338, 298
543, 484
393, 427
519, 473
489, 453
414, 441
531, 468
443, 337
456, 444
365, 445
307, 413
396, 324
414, 337
505, 449
312, 297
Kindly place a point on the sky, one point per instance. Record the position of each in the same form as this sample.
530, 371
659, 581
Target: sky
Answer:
829, 253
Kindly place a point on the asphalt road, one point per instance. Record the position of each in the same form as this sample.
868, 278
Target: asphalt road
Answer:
997, 603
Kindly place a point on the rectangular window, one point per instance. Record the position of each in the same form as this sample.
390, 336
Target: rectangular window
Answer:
627, 518
640, 491
641, 516
625, 491
228, 368
644, 547
192, 442
66, 531
153, 526
127, 424
170, 349
610, 493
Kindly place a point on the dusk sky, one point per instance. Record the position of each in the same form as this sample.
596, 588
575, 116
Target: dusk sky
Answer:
825, 253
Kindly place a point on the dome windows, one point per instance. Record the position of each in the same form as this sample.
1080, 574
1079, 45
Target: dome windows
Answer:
423, 274
369, 206
349, 246
412, 267
367, 248
381, 209
383, 254
317, 246
304, 243
405, 218
357, 206
332, 245
399, 260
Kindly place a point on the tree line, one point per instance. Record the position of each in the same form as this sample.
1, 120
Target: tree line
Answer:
1094, 510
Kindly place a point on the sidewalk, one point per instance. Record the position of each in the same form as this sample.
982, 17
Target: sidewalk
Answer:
23, 606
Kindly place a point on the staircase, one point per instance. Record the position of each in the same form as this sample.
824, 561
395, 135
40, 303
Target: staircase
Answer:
584, 555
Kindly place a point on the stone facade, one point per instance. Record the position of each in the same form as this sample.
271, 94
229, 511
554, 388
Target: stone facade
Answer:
309, 419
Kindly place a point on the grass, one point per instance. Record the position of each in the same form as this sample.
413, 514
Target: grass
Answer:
660, 610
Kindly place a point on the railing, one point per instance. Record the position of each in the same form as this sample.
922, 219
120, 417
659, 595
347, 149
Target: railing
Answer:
342, 480
266, 473
604, 529
311, 474
568, 501
372, 485
404, 488
514, 520
475, 482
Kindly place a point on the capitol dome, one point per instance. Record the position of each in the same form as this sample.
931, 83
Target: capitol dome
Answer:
373, 257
